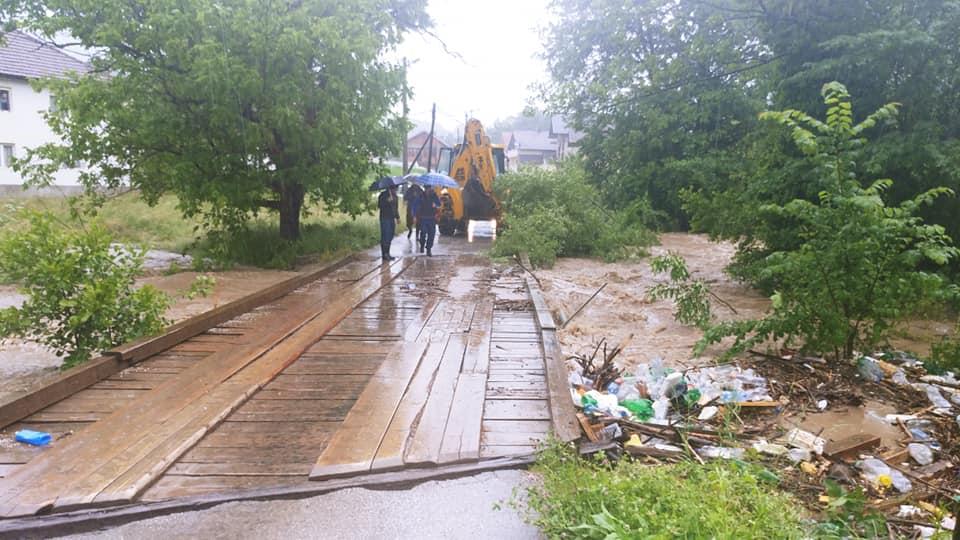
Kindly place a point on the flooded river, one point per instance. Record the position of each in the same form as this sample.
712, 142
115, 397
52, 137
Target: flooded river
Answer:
622, 308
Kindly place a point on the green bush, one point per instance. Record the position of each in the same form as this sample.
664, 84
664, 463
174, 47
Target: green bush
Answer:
81, 294
853, 265
585, 499
556, 213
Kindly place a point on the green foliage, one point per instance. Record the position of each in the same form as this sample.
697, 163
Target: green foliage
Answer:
81, 295
667, 93
847, 515
691, 297
256, 244
233, 106
945, 355
592, 500
555, 213
848, 266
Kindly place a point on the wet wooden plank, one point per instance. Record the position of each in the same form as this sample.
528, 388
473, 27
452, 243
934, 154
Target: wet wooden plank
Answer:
477, 356
355, 444
174, 486
516, 409
328, 346
511, 438
516, 390
495, 451
215, 454
293, 410
114, 460
394, 444
514, 375
461, 438
299, 470
428, 437
7, 468
517, 364
518, 426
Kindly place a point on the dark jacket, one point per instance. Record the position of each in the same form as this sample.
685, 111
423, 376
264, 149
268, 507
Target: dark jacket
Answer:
388, 207
426, 206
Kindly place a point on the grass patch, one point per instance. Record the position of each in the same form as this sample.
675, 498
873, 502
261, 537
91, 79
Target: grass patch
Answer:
556, 213
129, 220
589, 499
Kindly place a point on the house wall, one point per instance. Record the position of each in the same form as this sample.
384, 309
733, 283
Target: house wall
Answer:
25, 127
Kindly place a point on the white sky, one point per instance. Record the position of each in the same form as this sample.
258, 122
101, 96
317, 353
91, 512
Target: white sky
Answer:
498, 41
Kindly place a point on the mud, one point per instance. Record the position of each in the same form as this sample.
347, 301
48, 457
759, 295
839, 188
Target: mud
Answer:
623, 308
25, 363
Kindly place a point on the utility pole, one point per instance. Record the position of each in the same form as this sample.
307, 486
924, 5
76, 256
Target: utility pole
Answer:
406, 111
433, 119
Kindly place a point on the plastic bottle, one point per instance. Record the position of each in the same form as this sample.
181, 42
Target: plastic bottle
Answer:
641, 408
920, 453
936, 398
899, 377
613, 388
660, 408
869, 369
876, 470
799, 454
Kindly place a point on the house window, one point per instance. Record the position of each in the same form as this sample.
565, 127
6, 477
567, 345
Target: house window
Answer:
4, 99
6, 155
53, 104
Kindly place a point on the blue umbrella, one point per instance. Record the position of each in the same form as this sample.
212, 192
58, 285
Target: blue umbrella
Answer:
387, 182
436, 179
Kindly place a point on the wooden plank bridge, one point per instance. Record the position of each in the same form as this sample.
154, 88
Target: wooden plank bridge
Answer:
349, 370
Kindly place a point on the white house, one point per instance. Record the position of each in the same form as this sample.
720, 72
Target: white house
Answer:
22, 124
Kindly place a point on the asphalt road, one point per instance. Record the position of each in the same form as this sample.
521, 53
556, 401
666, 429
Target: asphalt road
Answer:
474, 508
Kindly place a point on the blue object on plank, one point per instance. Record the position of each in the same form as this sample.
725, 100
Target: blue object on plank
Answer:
36, 438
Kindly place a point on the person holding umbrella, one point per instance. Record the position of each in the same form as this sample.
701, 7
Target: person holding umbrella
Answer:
389, 214
425, 208
413, 193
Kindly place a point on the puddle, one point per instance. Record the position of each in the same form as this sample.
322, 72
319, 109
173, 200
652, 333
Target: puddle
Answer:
846, 421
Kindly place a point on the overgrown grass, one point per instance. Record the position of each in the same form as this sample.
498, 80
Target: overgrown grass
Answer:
128, 219
588, 499
556, 213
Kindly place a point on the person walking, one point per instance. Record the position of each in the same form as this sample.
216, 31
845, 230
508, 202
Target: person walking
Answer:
425, 209
389, 218
410, 197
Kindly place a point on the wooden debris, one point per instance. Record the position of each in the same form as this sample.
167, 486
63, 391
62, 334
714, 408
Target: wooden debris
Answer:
588, 428
850, 447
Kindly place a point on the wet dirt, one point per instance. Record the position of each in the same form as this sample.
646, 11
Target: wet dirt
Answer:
842, 422
25, 363
623, 308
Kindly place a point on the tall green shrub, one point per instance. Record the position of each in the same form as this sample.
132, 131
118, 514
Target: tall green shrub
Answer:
551, 213
854, 265
81, 294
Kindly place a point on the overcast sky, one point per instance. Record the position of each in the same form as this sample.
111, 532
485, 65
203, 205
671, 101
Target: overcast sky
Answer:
498, 41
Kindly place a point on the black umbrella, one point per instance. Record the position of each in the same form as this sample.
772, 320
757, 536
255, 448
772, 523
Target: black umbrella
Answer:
386, 182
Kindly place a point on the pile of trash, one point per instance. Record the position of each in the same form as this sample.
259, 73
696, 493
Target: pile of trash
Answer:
664, 414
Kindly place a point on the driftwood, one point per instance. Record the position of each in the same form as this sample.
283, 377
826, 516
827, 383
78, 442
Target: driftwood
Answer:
577, 312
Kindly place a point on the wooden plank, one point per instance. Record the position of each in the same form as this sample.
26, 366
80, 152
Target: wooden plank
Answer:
461, 438
428, 437
497, 451
299, 470
516, 390
477, 357
508, 438
562, 410
542, 312
130, 449
146, 347
394, 444
516, 409
354, 446
518, 426
7, 468
851, 446
23, 404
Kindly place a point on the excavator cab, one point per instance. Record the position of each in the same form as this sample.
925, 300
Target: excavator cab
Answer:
474, 164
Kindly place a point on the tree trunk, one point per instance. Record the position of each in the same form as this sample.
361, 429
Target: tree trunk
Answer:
291, 202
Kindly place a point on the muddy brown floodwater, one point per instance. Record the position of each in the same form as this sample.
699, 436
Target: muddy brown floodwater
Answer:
24, 363
623, 308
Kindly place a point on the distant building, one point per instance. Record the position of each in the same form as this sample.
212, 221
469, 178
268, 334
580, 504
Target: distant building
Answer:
22, 125
421, 140
566, 138
526, 147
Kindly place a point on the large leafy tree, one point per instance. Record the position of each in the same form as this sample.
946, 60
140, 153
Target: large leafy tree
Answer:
662, 88
233, 105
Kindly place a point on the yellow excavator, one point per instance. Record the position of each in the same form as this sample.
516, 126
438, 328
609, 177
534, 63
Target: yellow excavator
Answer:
474, 164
